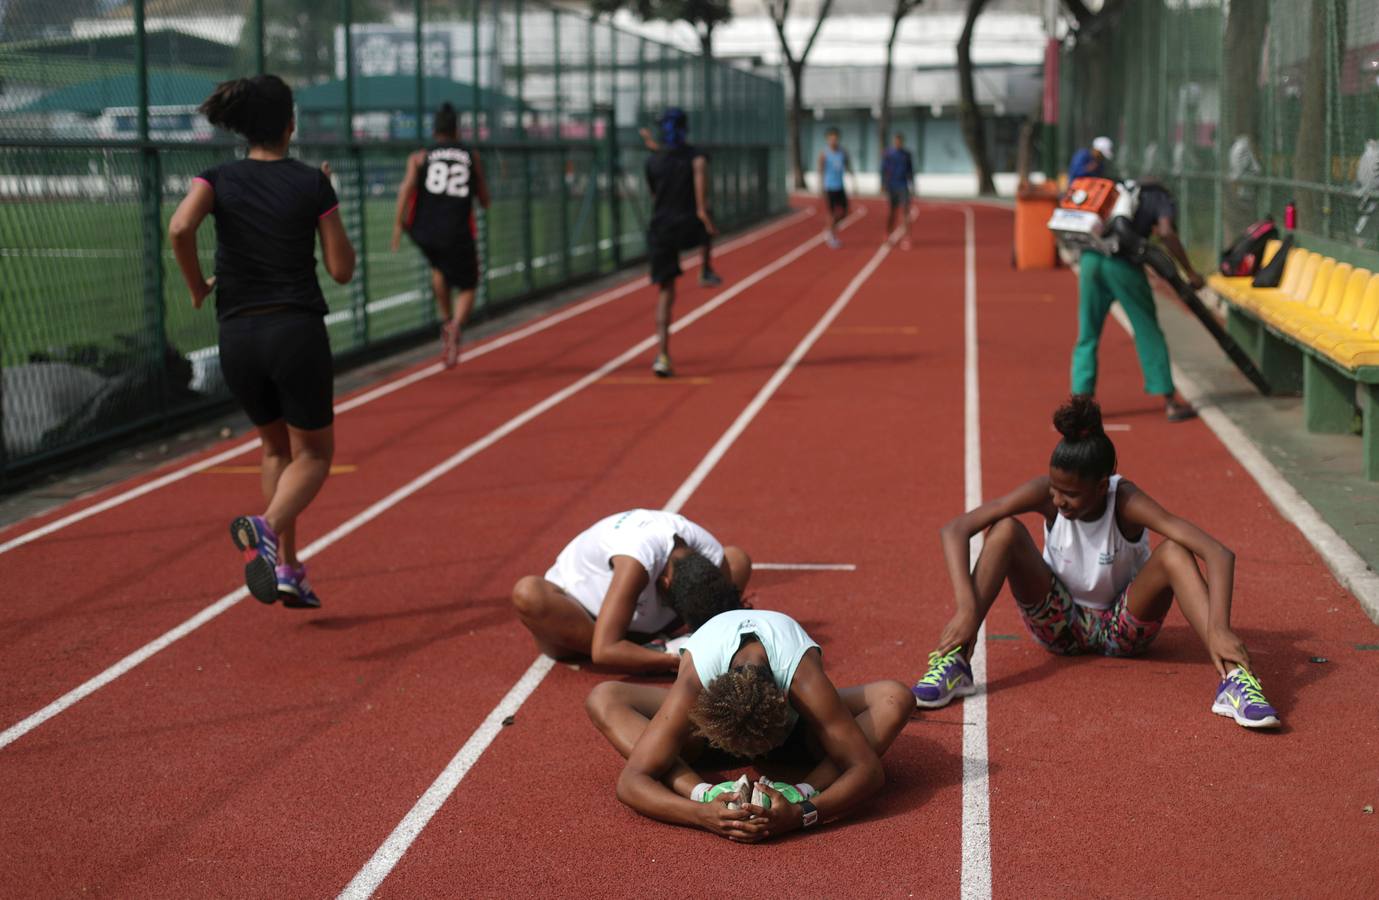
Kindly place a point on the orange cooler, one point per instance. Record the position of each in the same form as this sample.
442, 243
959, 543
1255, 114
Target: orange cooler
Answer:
1035, 246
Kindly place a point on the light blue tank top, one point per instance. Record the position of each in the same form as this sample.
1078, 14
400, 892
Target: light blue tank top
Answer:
785, 642
835, 165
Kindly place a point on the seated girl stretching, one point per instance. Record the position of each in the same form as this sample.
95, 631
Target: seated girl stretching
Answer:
752, 686
1096, 588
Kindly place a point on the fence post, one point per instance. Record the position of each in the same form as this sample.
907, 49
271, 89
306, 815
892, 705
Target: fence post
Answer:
359, 287
528, 274
421, 69
260, 49
150, 214
594, 169
614, 174
480, 216
563, 154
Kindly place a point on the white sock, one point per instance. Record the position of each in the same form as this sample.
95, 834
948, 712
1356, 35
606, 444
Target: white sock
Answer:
700, 789
806, 790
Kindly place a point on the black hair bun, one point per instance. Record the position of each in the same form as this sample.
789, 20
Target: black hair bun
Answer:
1079, 418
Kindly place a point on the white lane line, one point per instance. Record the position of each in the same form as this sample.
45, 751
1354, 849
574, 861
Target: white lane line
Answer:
23, 727
803, 567
976, 800
505, 340
1349, 567
367, 880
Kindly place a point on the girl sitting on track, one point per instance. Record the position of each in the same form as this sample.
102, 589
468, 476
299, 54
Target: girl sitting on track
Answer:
435, 205
755, 689
1096, 588
274, 350
637, 572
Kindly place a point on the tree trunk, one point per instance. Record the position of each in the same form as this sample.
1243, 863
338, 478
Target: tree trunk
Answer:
1247, 23
1309, 157
973, 126
884, 124
796, 123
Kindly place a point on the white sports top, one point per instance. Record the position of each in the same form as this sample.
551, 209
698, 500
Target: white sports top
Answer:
1093, 560
584, 569
785, 642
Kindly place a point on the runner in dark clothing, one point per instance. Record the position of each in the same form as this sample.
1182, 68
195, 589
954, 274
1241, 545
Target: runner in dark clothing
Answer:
678, 177
708, 277
274, 351
435, 205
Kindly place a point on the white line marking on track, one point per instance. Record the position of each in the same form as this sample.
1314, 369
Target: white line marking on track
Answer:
1349, 567
23, 727
804, 567
976, 800
383, 390
367, 880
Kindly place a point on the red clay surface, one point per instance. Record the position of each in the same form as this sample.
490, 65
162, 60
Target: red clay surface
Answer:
269, 753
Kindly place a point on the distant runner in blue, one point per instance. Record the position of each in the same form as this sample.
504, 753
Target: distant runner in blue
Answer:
897, 177
833, 166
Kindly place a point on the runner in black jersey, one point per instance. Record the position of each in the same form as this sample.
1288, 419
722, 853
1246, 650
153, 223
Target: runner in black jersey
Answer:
435, 205
678, 177
274, 351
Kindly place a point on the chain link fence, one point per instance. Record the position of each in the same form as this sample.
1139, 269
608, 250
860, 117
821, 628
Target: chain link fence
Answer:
1240, 107
99, 138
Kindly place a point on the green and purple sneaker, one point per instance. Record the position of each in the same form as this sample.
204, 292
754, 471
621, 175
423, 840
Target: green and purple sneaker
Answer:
949, 676
1240, 697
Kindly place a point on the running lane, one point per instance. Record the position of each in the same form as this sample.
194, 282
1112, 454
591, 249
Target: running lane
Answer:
1112, 777
83, 597
855, 460
267, 754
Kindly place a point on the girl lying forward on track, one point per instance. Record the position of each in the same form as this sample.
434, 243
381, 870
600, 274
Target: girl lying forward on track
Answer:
755, 688
1096, 588
640, 571
274, 350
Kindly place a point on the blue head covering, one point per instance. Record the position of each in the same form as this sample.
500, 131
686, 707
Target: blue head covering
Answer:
674, 127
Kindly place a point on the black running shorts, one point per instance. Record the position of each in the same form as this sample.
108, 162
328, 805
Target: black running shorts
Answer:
278, 366
666, 241
458, 263
838, 201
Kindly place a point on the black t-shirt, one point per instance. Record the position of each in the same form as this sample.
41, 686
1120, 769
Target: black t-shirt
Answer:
266, 214
443, 215
670, 174
1155, 203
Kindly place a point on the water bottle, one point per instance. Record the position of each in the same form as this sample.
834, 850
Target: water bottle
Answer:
1290, 216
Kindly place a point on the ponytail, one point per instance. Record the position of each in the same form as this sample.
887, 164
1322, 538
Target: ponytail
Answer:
1085, 450
259, 108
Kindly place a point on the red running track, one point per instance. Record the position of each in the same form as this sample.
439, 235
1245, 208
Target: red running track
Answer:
270, 753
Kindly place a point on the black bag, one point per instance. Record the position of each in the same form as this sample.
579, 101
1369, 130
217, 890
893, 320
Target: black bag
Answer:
1271, 275
1243, 255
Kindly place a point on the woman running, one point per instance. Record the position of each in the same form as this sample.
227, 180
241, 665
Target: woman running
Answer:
435, 206
1097, 587
274, 350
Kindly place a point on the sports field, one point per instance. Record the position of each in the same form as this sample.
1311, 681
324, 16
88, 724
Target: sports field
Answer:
165, 736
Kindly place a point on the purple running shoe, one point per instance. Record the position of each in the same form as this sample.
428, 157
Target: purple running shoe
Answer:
259, 545
294, 590
949, 676
1241, 698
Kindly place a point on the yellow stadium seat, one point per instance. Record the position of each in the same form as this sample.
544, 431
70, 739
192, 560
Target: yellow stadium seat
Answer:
1280, 311
1340, 319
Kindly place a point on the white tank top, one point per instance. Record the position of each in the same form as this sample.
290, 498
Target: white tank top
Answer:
1093, 560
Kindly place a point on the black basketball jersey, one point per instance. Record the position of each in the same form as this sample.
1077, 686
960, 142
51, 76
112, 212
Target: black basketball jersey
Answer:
444, 199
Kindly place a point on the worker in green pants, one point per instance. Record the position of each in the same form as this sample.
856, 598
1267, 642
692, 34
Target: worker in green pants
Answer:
1104, 280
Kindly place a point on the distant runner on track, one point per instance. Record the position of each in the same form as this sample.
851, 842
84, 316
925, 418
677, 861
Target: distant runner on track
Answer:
755, 690
435, 206
834, 166
631, 575
1096, 587
274, 350
707, 276
898, 179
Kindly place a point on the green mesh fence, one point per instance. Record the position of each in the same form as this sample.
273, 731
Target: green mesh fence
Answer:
99, 139
1240, 106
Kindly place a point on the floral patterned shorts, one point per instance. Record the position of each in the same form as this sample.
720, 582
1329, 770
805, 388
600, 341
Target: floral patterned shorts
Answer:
1068, 629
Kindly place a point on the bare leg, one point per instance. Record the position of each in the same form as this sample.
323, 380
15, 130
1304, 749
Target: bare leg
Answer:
1008, 554
622, 711
663, 315
441, 288
737, 566
881, 709
1170, 572
277, 454
301, 479
561, 627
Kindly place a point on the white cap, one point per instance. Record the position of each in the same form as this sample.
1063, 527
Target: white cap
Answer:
1103, 146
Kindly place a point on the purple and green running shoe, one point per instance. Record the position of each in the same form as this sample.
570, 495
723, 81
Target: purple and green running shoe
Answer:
259, 545
294, 590
949, 676
1241, 698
